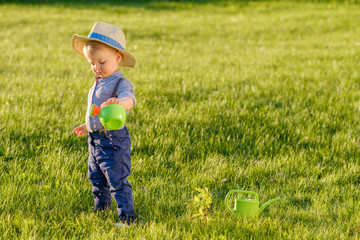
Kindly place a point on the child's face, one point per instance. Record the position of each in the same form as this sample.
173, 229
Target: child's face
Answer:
104, 61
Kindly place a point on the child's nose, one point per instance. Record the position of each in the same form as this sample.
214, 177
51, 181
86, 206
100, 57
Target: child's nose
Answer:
97, 67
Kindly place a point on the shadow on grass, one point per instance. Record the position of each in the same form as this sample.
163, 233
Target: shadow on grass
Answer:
153, 4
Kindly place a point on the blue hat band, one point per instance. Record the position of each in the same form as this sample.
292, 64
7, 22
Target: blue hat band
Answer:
105, 39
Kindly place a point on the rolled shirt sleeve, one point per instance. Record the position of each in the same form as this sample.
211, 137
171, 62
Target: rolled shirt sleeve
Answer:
126, 89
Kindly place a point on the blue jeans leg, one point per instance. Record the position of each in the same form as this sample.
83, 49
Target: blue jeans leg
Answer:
109, 167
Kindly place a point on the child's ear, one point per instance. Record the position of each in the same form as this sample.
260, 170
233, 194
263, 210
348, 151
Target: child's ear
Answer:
119, 57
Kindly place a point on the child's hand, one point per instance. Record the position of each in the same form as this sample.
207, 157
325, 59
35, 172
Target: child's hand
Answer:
126, 102
111, 100
80, 130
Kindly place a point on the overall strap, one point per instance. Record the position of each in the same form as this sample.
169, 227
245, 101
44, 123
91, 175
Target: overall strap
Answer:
116, 87
112, 95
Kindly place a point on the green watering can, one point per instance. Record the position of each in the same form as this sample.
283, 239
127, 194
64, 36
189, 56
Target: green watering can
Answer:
247, 207
112, 116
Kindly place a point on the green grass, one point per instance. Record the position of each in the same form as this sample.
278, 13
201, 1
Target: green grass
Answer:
261, 96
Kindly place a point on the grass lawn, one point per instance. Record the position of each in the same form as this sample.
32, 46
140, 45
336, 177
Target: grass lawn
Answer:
257, 95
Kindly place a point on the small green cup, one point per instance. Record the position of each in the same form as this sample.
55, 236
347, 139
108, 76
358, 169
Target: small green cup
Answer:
111, 116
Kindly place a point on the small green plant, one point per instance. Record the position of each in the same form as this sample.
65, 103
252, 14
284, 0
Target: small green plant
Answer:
200, 204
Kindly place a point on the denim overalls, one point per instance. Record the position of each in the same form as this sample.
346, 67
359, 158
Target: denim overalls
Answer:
109, 166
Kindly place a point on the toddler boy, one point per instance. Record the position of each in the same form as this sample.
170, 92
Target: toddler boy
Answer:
109, 151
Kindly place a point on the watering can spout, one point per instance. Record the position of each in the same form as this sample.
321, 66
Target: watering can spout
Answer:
267, 204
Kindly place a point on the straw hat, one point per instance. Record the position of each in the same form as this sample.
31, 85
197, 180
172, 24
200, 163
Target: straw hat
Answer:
108, 34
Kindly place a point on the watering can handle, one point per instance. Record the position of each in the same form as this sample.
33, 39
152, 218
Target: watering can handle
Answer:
238, 191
